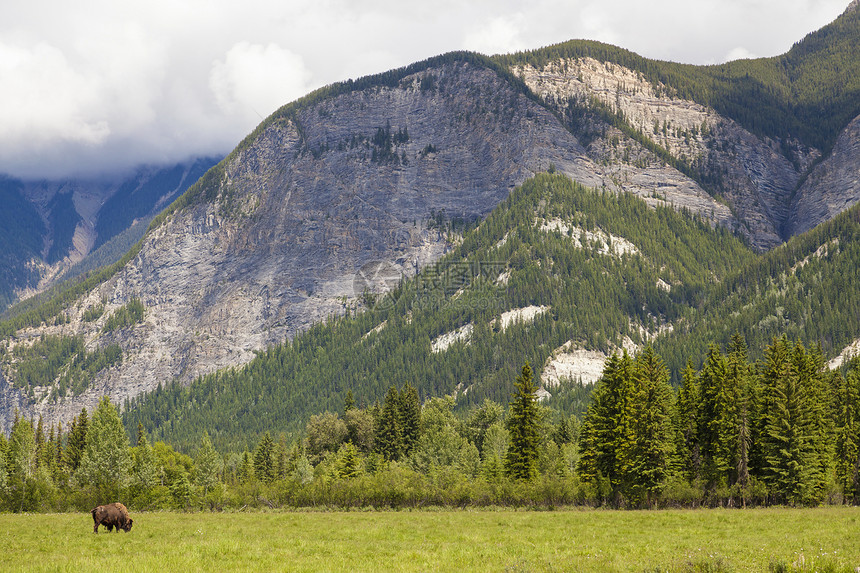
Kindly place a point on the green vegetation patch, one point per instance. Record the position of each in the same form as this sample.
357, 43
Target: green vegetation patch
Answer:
63, 360
127, 315
674, 541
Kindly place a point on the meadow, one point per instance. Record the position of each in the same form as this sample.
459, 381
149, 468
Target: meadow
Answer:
773, 539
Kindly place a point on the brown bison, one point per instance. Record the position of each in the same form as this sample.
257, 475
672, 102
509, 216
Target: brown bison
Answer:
111, 515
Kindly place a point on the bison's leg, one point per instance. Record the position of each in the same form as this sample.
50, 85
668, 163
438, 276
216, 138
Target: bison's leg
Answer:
96, 527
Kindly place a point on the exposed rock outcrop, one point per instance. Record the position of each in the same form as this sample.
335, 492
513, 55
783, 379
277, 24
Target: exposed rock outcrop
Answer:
831, 187
751, 173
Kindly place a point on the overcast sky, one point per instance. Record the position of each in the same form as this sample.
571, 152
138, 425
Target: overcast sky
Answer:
95, 85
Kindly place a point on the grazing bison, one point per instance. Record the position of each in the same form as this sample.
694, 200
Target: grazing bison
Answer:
111, 515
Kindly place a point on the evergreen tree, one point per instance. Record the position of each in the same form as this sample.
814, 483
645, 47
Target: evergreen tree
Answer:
106, 463
264, 459
410, 417
646, 457
348, 402
77, 441
607, 426
349, 464
521, 461
181, 491
389, 429
788, 440
207, 465
689, 460
3, 466
246, 469
847, 453
716, 419
141, 434
281, 458
40, 440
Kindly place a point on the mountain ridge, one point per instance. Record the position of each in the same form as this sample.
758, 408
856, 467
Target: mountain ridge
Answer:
270, 240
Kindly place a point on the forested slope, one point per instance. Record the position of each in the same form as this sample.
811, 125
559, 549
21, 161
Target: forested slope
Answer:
593, 267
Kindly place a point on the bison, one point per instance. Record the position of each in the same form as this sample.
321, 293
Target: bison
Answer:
111, 515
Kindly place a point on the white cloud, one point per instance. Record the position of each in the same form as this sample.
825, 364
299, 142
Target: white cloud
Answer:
100, 84
255, 80
739, 53
500, 35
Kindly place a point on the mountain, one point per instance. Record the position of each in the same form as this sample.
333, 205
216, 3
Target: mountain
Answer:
519, 286
51, 227
366, 181
522, 287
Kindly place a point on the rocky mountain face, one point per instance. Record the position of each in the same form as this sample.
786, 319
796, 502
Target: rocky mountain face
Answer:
756, 176
831, 187
348, 192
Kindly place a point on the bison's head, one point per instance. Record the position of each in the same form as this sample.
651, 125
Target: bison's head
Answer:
127, 526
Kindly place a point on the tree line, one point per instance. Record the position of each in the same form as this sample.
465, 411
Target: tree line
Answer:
783, 430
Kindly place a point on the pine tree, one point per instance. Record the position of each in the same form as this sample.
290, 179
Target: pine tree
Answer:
521, 461
349, 464
181, 490
141, 434
847, 453
48, 455
646, 457
689, 460
106, 463
715, 418
77, 441
4, 447
389, 429
264, 459
789, 439
410, 417
40, 440
348, 402
246, 469
607, 426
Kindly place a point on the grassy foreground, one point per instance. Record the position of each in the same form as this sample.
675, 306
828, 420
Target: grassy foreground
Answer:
824, 539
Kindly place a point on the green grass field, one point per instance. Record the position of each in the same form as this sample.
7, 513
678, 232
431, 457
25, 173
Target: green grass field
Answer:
825, 539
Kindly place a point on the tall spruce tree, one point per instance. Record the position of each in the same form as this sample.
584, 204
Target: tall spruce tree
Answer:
410, 417
789, 439
689, 461
646, 454
264, 459
521, 461
715, 418
144, 473
77, 441
847, 419
4, 448
607, 426
389, 427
